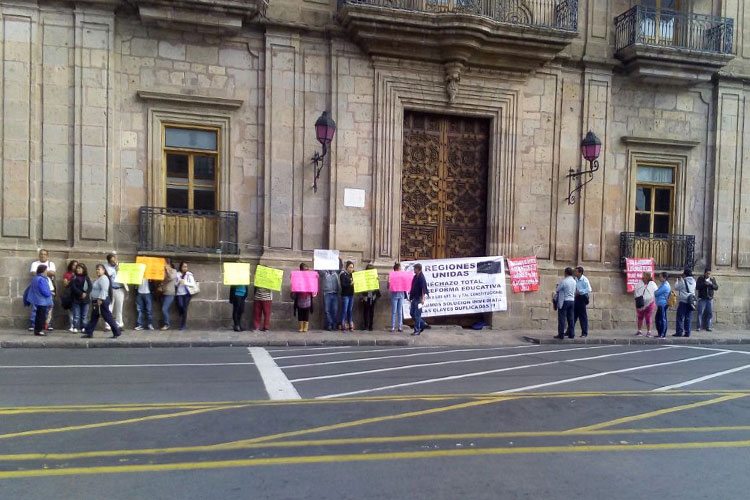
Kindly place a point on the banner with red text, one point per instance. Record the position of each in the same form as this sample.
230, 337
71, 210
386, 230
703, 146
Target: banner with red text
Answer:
634, 268
524, 274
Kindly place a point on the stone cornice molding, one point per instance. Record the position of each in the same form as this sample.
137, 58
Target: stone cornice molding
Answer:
189, 99
659, 141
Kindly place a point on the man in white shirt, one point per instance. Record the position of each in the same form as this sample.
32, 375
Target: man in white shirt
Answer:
44, 259
118, 290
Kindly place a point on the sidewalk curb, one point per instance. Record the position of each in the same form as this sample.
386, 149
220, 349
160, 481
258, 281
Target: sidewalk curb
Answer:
638, 341
111, 343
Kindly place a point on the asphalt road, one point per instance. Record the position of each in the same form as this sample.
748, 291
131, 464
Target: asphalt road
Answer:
526, 422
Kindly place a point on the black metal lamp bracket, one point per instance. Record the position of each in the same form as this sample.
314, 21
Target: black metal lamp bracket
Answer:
578, 175
318, 164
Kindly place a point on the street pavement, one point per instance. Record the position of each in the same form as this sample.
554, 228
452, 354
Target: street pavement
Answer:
518, 421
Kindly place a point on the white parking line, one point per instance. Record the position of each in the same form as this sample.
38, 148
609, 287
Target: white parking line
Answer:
276, 383
303, 348
701, 379
155, 365
611, 372
708, 349
353, 352
477, 374
438, 363
433, 353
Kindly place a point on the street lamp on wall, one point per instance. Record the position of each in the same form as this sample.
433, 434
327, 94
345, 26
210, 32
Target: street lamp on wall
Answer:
325, 128
591, 146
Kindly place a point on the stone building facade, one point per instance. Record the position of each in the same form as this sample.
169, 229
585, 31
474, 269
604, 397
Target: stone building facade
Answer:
114, 111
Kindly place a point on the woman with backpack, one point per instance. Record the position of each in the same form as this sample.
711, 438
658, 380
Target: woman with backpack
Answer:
80, 290
685, 288
101, 297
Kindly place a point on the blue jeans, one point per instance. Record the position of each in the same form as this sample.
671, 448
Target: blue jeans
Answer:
397, 311
331, 300
705, 313
416, 313
566, 314
661, 320
166, 302
684, 319
143, 303
80, 311
347, 307
183, 302
47, 319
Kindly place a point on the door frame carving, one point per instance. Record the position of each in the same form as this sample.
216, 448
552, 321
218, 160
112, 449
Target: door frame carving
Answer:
422, 89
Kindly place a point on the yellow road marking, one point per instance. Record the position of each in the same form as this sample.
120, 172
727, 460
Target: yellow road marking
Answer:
656, 413
368, 458
364, 421
364, 440
421, 397
115, 422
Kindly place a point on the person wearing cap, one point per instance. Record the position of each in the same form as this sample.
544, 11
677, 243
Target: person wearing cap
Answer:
706, 287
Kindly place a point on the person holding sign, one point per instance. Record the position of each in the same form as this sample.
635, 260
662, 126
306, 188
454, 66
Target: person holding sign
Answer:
347, 297
167, 288
369, 298
262, 307
417, 296
397, 303
303, 305
100, 297
331, 289
118, 290
237, 296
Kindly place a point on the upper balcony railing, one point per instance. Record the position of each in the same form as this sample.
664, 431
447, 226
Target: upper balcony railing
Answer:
669, 251
553, 14
181, 230
678, 30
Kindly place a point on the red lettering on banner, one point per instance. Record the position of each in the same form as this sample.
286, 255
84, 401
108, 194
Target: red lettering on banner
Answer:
634, 269
524, 274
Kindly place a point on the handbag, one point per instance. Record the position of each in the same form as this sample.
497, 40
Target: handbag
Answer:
639, 302
691, 302
554, 302
585, 299
672, 299
194, 289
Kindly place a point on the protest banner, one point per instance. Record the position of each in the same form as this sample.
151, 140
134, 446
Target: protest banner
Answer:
305, 281
366, 280
268, 277
524, 274
634, 269
154, 267
326, 260
400, 281
462, 286
130, 273
236, 273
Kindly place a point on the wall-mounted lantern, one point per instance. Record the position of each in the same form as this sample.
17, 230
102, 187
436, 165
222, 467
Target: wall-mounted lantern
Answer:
325, 128
591, 146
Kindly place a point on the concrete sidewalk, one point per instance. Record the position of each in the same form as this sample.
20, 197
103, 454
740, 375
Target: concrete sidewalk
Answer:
436, 336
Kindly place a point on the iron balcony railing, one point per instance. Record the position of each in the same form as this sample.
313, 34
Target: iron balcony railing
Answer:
183, 230
679, 30
669, 251
554, 14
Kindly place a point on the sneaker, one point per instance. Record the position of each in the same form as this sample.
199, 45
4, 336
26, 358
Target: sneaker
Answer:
708, 330
49, 328
72, 330
639, 333
698, 329
648, 334
150, 327
108, 328
31, 328
138, 328
165, 327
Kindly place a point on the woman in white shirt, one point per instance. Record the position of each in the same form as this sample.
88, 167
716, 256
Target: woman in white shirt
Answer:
182, 295
645, 302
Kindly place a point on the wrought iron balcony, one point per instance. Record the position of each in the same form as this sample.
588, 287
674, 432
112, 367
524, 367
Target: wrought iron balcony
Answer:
182, 230
672, 45
518, 35
669, 251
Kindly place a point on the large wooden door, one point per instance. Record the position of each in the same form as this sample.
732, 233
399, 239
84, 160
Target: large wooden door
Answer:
444, 187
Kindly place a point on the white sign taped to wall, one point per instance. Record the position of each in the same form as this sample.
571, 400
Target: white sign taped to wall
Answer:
462, 286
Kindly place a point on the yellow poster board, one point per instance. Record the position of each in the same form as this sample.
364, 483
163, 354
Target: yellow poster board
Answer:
268, 277
236, 273
366, 280
130, 273
154, 267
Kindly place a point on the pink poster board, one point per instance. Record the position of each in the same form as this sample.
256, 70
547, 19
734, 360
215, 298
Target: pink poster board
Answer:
524, 274
400, 281
635, 269
305, 281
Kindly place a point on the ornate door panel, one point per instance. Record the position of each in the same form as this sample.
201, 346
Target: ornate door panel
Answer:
444, 187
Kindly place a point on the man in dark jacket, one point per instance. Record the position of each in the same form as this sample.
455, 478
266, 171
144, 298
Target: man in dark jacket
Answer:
705, 287
416, 297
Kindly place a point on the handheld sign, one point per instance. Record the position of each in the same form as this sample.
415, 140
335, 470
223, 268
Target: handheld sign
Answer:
326, 260
236, 273
268, 277
154, 267
400, 281
130, 273
305, 281
366, 280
